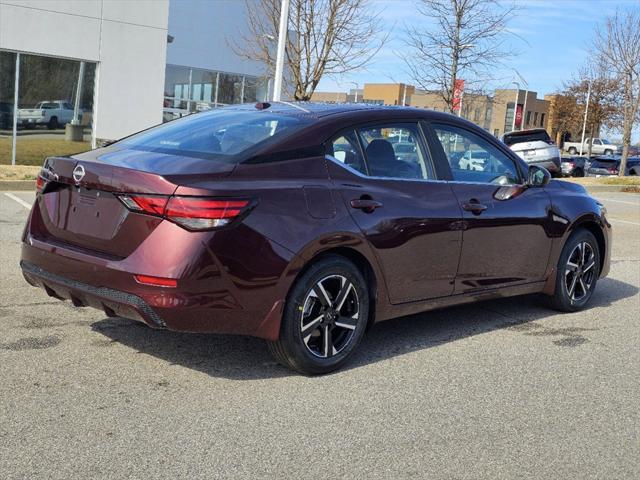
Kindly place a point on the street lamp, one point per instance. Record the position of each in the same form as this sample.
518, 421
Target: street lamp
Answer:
515, 106
524, 107
355, 100
282, 40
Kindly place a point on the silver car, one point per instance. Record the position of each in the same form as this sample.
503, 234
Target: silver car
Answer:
535, 147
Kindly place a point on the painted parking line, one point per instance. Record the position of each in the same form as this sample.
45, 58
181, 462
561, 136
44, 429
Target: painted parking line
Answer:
635, 204
19, 200
622, 221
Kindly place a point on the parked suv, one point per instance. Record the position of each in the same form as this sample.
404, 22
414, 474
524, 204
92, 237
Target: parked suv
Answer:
574, 166
535, 147
605, 166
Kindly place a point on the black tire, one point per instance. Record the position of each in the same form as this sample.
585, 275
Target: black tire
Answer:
322, 318
572, 150
608, 152
576, 276
579, 172
53, 123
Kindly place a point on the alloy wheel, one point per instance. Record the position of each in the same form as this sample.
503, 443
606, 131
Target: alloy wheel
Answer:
580, 271
330, 315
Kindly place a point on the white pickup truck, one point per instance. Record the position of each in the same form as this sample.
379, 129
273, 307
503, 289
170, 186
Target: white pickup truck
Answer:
601, 146
53, 114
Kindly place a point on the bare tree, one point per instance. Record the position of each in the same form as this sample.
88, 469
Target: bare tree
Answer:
459, 39
618, 47
325, 37
566, 116
604, 103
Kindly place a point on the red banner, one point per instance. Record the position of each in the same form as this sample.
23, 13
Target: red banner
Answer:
458, 88
519, 116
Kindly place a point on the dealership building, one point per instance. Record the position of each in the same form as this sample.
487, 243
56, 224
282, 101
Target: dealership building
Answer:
109, 68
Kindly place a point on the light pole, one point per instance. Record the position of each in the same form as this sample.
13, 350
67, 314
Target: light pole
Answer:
586, 112
282, 40
515, 106
355, 100
526, 93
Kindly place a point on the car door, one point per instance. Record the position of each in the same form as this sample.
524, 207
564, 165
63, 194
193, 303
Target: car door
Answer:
410, 220
505, 240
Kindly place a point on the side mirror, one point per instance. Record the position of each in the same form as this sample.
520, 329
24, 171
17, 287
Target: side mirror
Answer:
538, 176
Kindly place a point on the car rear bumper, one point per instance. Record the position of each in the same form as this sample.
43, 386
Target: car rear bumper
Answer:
207, 304
114, 303
551, 164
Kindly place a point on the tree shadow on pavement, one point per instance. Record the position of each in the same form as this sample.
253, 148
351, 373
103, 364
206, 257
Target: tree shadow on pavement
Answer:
245, 358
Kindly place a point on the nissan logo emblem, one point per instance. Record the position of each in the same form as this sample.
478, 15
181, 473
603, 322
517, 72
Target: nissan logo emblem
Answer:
78, 173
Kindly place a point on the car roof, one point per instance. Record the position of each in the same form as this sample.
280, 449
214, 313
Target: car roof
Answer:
320, 110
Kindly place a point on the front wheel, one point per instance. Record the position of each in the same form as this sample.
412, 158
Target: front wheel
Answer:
608, 152
577, 273
324, 319
573, 151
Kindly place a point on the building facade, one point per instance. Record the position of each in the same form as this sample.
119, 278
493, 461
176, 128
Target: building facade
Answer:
494, 113
105, 69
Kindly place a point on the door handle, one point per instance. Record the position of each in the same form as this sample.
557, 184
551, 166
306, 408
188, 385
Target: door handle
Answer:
367, 205
474, 206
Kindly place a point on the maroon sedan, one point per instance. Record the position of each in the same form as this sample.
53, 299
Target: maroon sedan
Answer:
301, 224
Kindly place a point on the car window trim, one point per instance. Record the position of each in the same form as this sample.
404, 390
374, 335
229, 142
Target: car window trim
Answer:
491, 140
371, 177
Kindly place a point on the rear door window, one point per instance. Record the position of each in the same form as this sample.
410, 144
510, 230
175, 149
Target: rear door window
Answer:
345, 150
395, 151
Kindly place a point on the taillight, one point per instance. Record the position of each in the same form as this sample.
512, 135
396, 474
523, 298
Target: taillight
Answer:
192, 213
156, 281
40, 183
197, 213
153, 205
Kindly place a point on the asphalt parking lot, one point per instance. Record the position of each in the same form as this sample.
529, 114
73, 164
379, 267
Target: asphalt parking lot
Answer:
502, 389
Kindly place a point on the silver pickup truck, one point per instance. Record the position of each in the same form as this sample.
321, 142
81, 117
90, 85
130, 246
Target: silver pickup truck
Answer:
52, 113
601, 146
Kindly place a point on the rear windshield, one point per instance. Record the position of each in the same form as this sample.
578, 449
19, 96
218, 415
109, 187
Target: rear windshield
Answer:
603, 162
513, 138
219, 134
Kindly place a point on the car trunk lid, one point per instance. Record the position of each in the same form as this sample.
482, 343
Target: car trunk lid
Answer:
79, 206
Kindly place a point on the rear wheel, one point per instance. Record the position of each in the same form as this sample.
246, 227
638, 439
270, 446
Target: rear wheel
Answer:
577, 273
324, 319
578, 172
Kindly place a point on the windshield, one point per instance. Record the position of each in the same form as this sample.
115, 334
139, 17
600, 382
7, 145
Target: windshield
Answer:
221, 134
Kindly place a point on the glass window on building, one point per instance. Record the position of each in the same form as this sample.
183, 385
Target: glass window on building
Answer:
7, 85
508, 118
542, 119
189, 90
54, 114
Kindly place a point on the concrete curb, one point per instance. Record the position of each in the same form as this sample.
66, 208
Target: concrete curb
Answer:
17, 185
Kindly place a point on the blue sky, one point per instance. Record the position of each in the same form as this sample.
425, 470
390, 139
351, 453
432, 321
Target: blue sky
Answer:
551, 36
